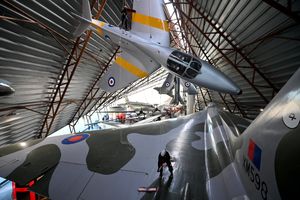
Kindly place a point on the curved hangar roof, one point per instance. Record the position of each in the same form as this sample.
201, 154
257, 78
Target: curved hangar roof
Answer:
55, 76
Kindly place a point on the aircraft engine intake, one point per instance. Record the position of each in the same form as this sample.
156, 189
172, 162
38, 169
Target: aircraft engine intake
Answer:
184, 64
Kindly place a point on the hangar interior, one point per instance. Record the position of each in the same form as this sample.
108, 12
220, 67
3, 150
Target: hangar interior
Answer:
56, 77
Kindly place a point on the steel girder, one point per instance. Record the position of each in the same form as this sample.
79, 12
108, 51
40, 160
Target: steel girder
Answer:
155, 76
223, 96
90, 96
288, 11
187, 43
66, 77
239, 56
206, 92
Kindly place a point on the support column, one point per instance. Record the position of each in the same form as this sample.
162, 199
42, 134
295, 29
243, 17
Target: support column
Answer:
190, 104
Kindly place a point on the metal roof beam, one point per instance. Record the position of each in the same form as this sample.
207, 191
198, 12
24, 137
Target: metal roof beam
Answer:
235, 62
62, 86
226, 104
285, 10
186, 41
185, 35
65, 79
30, 18
138, 84
226, 37
209, 60
91, 93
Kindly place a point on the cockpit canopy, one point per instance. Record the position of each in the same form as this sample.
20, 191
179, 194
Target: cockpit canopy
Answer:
183, 64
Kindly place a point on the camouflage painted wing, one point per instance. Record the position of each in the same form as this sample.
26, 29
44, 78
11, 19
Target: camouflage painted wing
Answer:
84, 166
114, 163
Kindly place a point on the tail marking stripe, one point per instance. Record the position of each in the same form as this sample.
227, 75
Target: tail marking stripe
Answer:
150, 21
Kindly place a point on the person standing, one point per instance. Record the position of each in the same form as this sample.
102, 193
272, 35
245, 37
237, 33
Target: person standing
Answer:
164, 157
124, 17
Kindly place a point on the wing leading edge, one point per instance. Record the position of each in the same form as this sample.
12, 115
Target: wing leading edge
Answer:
126, 69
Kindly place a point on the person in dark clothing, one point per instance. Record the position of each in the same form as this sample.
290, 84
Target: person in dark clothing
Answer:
124, 17
164, 157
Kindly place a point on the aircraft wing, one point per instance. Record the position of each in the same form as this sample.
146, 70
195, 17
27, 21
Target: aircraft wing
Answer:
127, 68
100, 164
188, 87
167, 86
149, 119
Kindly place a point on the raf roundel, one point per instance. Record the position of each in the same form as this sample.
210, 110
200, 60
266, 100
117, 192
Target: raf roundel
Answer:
167, 84
107, 37
111, 81
75, 138
187, 84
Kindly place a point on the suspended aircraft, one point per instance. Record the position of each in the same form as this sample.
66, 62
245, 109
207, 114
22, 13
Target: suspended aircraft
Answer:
146, 47
6, 88
137, 106
215, 155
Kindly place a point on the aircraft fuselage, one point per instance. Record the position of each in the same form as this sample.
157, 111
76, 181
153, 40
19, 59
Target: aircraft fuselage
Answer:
187, 67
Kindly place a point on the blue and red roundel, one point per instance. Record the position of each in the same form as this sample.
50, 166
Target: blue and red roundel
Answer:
75, 138
111, 81
254, 154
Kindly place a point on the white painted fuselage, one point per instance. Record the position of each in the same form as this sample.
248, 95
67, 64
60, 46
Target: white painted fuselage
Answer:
208, 76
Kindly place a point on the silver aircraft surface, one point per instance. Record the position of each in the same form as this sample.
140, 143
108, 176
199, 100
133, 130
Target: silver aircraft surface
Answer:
215, 155
146, 47
169, 85
137, 106
5, 88
130, 107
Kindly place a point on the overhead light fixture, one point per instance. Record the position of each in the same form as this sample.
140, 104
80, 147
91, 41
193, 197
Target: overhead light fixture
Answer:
261, 109
23, 144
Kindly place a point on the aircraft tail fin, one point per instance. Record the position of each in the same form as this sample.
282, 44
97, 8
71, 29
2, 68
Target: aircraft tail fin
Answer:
149, 21
170, 93
270, 146
85, 18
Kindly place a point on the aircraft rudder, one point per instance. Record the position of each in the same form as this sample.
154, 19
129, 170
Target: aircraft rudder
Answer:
269, 146
85, 18
149, 21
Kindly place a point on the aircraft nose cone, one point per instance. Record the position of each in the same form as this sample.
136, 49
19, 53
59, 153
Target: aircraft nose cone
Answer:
227, 85
214, 79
